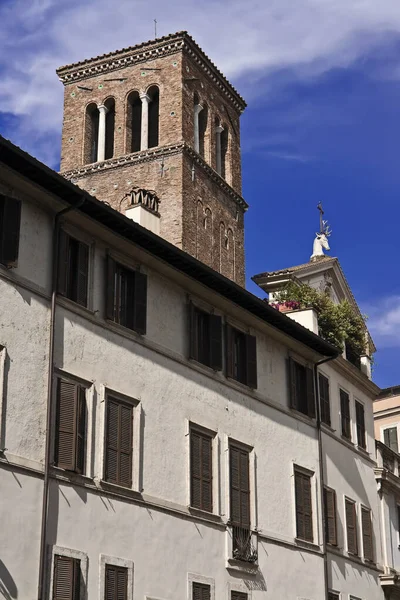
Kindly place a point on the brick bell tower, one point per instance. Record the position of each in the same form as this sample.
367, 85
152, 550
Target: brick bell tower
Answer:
161, 117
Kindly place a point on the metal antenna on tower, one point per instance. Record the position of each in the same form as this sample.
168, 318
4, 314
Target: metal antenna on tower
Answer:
155, 28
321, 222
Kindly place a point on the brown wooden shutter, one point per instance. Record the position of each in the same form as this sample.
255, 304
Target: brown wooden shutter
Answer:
351, 527
238, 595
330, 516
230, 357
140, 302
63, 262
333, 596
360, 421
310, 392
201, 470
83, 274
293, 396
193, 334
116, 583
81, 429
251, 361
118, 464
367, 534
324, 399
66, 421
201, 591
111, 269
215, 342
239, 486
304, 526
345, 414
10, 210
66, 580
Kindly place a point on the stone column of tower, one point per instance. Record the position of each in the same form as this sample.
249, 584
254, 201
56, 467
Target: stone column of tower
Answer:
162, 142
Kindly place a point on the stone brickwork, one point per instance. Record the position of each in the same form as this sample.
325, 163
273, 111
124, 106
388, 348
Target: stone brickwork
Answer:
201, 212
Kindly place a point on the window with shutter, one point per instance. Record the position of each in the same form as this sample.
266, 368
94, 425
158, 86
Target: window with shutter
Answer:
301, 388
201, 591
304, 525
345, 414
333, 596
126, 296
241, 356
323, 384
239, 473
390, 438
73, 269
10, 222
67, 578
70, 442
205, 337
351, 527
360, 424
200, 470
119, 433
238, 595
366, 523
330, 516
116, 583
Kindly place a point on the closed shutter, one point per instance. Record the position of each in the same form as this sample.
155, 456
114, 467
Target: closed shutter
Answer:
240, 486
81, 429
118, 464
66, 580
83, 274
230, 355
10, 213
304, 528
367, 534
345, 414
116, 583
293, 395
238, 595
360, 421
390, 438
201, 470
70, 426
111, 269
310, 392
330, 516
251, 361
201, 591
140, 302
63, 263
193, 333
333, 596
324, 399
215, 342
351, 527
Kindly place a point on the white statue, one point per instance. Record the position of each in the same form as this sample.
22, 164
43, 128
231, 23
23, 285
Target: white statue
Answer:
321, 241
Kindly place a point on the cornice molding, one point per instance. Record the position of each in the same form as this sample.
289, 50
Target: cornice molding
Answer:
137, 158
171, 44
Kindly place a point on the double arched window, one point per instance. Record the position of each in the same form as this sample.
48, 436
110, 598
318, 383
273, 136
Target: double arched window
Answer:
200, 126
134, 122
99, 131
153, 94
142, 119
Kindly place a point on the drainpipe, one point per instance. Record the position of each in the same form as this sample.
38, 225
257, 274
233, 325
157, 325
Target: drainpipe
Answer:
321, 471
54, 276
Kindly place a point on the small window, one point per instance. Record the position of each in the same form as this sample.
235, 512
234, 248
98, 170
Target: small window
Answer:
116, 583
70, 440
360, 422
366, 523
238, 595
205, 338
324, 399
119, 437
301, 381
200, 470
241, 357
126, 296
10, 221
351, 527
73, 269
333, 596
345, 414
67, 577
390, 438
239, 478
201, 591
330, 516
304, 525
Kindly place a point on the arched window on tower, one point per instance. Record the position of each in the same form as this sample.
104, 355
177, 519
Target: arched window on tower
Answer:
91, 134
133, 122
203, 119
110, 128
154, 108
224, 151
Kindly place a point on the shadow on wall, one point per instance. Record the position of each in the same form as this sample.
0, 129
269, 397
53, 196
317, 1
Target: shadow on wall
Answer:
8, 589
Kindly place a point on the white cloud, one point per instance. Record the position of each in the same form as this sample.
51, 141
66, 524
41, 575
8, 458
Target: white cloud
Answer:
246, 40
384, 321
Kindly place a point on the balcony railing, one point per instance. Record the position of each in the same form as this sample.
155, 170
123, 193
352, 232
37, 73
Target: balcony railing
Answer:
242, 546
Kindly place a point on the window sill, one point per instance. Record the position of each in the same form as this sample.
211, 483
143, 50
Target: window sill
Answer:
305, 418
348, 441
307, 544
68, 303
71, 476
122, 328
120, 489
327, 427
199, 512
363, 451
241, 566
241, 384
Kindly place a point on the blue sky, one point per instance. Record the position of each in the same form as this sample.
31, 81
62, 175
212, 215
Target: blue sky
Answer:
322, 80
